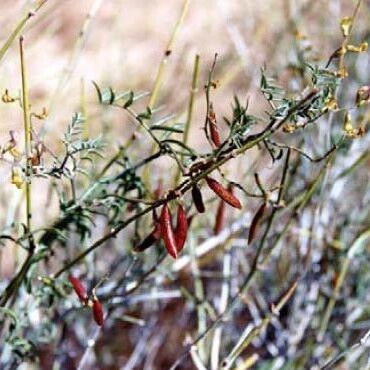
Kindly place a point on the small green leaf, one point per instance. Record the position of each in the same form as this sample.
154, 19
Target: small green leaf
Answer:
112, 96
129, 101
145, 115
98, 91
11, 314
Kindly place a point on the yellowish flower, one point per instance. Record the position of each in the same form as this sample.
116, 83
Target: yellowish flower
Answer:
330, 104
17, 177
358, 48
15, 153
288, 128
346, 25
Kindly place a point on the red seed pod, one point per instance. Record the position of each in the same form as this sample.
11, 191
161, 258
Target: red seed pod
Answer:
220, 217
215, 136
167, 231
213, 128
157, 230
197, 199
223, 193
78, 288
150, 239
220, 214
181, 228
255, 222
97, 310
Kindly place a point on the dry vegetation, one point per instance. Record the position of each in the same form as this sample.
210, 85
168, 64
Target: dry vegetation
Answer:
294, 297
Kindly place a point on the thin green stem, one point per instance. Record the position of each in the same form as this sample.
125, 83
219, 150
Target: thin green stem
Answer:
143, 125
109, 164
357, 244
283, 185
363, 157
159, 77
83, 109
167, 53
347, 37
19, 27
208, 98
15, 283
27, 134
76, 51
193, 91
248, 335
200, 297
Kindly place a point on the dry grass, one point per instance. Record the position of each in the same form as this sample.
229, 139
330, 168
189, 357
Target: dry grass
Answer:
123, 47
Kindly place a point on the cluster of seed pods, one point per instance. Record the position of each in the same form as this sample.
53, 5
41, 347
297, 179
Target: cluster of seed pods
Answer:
226, 195
174, 238
93, 301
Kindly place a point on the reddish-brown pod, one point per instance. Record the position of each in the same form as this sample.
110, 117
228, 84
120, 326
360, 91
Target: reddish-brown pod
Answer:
225, 194
157, 230
97, 310
220, 216
150, 239
197, 199
255, 222
213, 128
167, 231
181, 228
78, 288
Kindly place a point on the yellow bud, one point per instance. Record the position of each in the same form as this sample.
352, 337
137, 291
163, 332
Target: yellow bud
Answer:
15, 153
363, 95
215, 84
347, 122
347, 126
342, 73
346, 25
358, 48
288, 128
6, 98
364, 46
299, 36
17, 177
330, 104
42, 115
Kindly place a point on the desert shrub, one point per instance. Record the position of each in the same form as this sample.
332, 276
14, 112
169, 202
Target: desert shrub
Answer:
242, 246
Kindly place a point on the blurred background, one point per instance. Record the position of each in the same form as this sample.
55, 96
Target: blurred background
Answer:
121, 43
